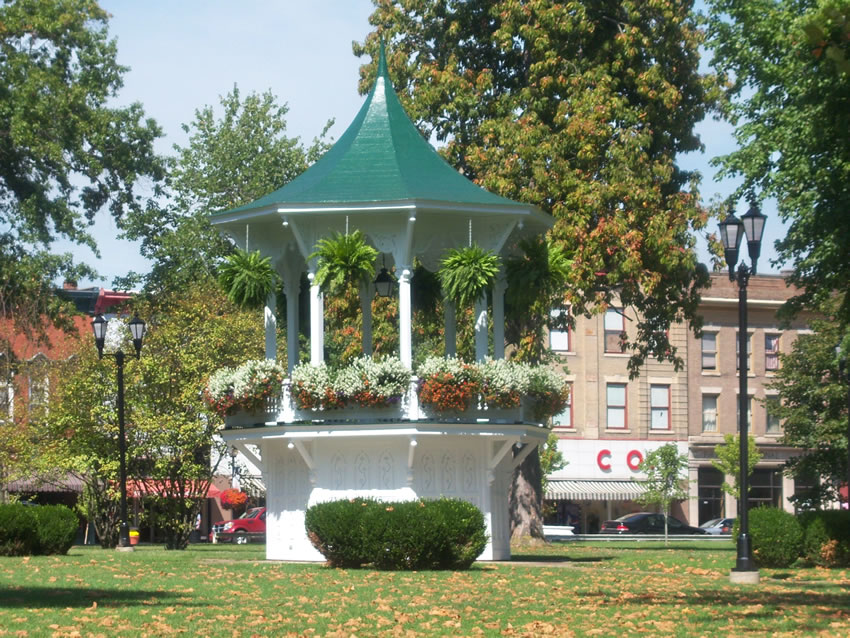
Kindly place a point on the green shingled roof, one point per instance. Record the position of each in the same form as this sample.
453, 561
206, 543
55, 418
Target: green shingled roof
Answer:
380, 157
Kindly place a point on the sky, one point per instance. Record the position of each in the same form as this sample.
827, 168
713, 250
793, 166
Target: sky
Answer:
185, 55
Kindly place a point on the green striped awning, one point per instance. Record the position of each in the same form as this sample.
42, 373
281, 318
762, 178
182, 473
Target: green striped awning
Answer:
586, 490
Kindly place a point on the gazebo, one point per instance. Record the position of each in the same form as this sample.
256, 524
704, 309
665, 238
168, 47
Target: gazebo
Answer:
385, 180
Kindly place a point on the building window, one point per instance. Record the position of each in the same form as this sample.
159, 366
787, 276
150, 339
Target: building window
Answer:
616, 400
565, 418
765, 488
709, 413
772, 425
38, 392
749, 415
771, 352
709, 351
749, 352
615, 330
560, 335
659, 404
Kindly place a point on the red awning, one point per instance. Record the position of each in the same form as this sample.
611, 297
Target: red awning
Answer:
842, 491
152, 487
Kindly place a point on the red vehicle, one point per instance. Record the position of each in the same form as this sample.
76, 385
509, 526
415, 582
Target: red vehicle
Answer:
251, 526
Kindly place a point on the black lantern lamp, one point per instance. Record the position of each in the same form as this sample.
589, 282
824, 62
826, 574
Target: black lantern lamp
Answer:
98, 326
137, 329
753, 221
384, 283
731, 230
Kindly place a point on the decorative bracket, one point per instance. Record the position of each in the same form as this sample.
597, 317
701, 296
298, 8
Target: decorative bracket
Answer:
497, 458
524, 452
308, 459
248, 454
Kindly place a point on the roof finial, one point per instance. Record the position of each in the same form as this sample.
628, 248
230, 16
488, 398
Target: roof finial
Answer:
382, 59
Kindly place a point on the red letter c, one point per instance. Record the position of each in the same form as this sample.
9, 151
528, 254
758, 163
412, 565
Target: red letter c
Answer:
602, 465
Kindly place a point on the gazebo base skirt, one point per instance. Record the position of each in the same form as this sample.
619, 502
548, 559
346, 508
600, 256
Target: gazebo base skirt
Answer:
384, 466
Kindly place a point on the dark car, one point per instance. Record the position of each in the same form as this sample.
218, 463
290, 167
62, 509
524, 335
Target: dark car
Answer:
647, 523
719, 525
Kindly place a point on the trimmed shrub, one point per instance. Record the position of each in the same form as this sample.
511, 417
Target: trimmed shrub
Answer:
17, 530
422, 534
826, 537
776, 537
56, 528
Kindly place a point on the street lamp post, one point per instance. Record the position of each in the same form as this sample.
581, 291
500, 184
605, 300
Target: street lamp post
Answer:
137, 330
844, 373
731, 230
233, 454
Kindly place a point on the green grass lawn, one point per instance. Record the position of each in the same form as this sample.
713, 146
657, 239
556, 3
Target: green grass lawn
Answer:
605, 589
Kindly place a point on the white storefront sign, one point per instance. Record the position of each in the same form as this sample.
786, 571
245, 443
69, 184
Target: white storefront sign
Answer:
607, 459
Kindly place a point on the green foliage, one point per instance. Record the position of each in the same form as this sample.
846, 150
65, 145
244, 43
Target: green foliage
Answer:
248, 279
56, 528
776, 536
467, 273
811, 401
17, 530
787, 92
663, 484
826, 537
536, 281
344, 260
410, 535
581, 108
229, 161
728, 461
551, 459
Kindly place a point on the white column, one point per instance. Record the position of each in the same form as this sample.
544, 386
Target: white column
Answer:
499, 318
450, 321
292, 290
317, 323
405, 326
366, 292
481, 332
787, 493
271, 326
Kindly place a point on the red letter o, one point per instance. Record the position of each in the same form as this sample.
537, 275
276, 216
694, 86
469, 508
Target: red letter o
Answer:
634, 454
602, 454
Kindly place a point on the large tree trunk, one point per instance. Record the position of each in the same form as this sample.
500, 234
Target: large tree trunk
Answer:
526, 498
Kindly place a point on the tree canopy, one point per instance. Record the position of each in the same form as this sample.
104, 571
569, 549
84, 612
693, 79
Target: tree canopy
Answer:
812, 404
582, 109
664, 483
231, 159
66, 150
785, 65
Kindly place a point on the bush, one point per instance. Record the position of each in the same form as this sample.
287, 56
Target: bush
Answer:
56, 528
17, 524
776, 537
826, 537
422, 534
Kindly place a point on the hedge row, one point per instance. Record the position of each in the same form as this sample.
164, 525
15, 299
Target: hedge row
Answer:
47, 529
779, 538
422, 534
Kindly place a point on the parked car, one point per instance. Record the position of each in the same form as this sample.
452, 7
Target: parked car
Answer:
719, 525
251, 526
647, 523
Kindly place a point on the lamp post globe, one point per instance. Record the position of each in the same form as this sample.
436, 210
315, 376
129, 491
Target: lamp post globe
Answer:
732, 231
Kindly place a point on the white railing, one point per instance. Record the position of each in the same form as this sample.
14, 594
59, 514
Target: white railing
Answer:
282, 409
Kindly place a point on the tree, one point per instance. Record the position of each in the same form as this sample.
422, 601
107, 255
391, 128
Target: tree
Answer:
170, 431
788, 93
664, 483
812, 405
228, 162
728, 462
67, 151
580, 108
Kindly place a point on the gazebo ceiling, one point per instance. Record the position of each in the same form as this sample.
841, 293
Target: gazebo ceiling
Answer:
379, 176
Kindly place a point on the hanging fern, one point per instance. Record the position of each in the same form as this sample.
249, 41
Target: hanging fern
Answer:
466, 274
538, 275
248, 279
344, 260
